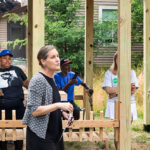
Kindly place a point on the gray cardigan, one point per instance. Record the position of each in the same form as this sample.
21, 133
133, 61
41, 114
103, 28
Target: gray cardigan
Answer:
39, 93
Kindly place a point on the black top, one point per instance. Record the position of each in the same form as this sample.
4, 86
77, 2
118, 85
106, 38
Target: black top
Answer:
11, 82
54, 129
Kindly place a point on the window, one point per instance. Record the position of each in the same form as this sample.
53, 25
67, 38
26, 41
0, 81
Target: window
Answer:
108, 17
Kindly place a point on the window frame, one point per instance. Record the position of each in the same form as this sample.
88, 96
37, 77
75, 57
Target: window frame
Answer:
105, 7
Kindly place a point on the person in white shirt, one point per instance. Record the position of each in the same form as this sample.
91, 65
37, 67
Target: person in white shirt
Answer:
110, 85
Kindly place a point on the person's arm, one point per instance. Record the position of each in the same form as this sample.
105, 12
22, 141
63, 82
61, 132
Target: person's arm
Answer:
24, 78
111, 90
87, 87
43, 110
1, 93
58, 83
26, 83
71, 82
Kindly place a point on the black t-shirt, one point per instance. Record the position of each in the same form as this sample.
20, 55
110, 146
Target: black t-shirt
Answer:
11, 82
54, 129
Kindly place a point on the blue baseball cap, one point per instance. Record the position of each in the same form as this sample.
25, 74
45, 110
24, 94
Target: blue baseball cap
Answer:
6, 52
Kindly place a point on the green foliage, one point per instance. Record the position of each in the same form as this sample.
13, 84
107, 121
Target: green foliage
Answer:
105, 34
23, 18
15, 18
138, 60
137, 20
63, 31
16, 43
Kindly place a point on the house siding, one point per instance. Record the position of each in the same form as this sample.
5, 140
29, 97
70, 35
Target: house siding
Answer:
104, 57
3, 33
97, 3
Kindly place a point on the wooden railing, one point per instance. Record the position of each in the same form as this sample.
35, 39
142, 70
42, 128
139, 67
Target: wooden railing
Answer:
9, 129
77, 131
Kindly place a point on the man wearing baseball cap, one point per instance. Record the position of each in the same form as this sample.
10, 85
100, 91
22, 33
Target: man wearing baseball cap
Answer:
67, 80
12, 79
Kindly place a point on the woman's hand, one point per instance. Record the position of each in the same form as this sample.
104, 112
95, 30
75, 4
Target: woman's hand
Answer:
133, 88
66, 106
65, 115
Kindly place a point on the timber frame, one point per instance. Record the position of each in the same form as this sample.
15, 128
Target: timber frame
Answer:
122, 122
36, 29
36, 25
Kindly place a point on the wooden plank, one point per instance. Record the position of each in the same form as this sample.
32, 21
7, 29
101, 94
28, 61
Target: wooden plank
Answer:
146, 61
116, 130
11, 124
91, 129
101, 129
24, 140
35, 34
70, 134
81, 129
92, 124
3, 130
78, 97
19, 134
124, 47
14, 130
88, 63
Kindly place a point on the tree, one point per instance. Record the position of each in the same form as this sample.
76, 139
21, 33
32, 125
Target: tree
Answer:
6, 5
137, 29
63, 31
137, 20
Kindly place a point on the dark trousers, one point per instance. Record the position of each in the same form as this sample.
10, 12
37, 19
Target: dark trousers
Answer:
8, 107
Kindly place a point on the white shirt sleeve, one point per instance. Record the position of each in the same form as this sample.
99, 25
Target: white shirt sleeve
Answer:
107, 80
134, 78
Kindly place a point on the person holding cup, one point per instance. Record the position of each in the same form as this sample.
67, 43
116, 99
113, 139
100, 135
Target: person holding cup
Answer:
110, 85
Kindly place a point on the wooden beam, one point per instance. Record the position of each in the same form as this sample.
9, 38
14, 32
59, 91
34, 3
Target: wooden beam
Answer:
11, 124
146, 62
124, 48
35, 34
92, 123
88, 68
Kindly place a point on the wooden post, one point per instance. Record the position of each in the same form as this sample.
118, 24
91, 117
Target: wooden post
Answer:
3, 129
101, 129
91, 129
116, 130
146, 65
14, 129
35, 33
124, 49
88, 68
81, 129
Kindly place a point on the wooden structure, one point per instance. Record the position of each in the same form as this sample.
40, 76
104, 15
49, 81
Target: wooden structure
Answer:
13, 134
124, 50
123, 119
35, 34
88, 55
146, 65
36, 25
